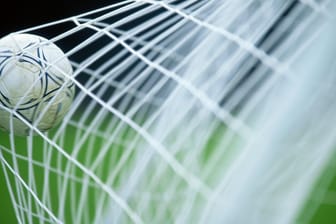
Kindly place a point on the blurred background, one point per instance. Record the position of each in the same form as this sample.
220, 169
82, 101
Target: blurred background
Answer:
23, 14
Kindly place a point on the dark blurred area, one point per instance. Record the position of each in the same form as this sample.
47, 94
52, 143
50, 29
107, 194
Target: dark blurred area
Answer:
18, 14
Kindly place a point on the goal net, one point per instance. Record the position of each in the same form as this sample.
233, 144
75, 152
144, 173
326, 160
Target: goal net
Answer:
185, 112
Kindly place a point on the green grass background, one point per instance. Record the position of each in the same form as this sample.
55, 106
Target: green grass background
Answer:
325, 204
71, 138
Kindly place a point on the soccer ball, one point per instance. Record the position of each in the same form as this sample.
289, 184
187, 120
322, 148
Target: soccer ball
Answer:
35, 88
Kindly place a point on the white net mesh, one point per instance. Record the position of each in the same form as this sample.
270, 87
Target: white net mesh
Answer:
185, 112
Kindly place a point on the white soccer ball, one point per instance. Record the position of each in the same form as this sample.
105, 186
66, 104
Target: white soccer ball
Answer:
34, 83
